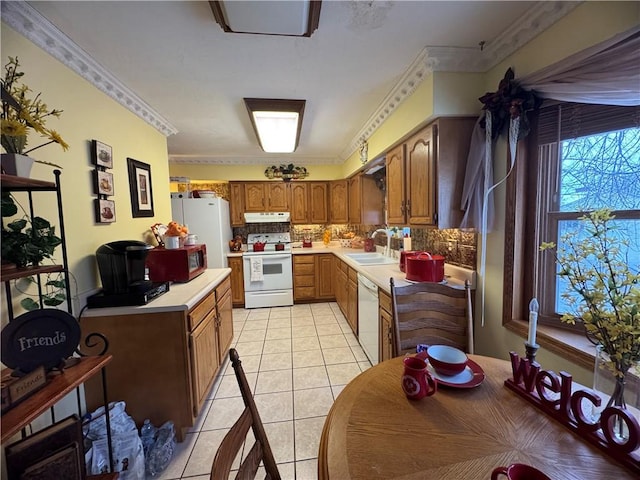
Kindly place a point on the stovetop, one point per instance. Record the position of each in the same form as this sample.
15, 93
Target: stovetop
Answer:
274, 243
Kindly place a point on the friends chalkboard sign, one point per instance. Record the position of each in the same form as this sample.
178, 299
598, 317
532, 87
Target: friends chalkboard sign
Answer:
41, 337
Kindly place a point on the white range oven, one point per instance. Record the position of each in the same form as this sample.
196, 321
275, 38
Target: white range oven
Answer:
268, 273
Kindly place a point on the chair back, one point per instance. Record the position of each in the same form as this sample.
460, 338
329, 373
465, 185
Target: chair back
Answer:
235, 438
432, 314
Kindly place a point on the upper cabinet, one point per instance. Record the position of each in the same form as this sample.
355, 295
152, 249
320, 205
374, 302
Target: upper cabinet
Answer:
236, 203
266, 197
425, 174
339, 201
365, 201
309, 202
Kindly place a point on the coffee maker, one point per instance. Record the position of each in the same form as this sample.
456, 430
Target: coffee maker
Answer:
121, 265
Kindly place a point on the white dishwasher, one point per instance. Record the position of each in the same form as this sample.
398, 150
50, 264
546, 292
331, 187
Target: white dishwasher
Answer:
368, 330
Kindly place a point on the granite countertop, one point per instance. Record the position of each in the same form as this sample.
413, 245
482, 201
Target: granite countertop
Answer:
181, 296
380, 274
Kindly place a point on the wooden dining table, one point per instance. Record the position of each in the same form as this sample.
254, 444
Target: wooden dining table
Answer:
373, 431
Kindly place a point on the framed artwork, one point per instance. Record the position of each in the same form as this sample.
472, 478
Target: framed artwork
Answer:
105, 210
103, 183
140, 188
101, 154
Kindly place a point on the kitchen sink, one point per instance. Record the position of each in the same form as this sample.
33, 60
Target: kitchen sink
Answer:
371, 258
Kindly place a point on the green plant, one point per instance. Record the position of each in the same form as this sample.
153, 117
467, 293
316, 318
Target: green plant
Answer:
25, 241
53, 292
608, 289
21, 113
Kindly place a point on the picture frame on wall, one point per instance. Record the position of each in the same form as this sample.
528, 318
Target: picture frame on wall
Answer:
140, 188
105, 210
103, 183
101, 154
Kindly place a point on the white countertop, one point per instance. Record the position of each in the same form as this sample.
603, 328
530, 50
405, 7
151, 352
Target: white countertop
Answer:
455, 276
181, 296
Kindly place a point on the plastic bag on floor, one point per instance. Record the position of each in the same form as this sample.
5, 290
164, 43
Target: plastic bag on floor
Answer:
95, 424
161, 451
128, 456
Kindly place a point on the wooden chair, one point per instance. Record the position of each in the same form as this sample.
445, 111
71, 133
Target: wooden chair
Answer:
234, 439
431, 314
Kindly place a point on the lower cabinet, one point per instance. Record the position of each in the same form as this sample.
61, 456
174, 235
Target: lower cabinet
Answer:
386, 326
352, 300
341, 272
346, 292
164, 362
313, 277
237, 281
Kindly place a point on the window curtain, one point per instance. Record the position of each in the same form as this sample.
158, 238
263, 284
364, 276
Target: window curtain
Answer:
606, 74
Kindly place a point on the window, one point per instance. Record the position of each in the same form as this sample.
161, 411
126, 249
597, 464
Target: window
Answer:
577, 158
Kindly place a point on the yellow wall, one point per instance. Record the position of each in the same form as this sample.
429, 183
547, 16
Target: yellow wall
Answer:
89, 114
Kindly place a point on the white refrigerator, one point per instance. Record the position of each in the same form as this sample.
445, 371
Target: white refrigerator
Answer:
209, 219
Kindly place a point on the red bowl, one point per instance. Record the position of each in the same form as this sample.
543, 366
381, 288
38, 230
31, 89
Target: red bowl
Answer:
447, 361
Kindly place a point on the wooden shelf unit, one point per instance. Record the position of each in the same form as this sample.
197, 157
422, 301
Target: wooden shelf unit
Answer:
31, 408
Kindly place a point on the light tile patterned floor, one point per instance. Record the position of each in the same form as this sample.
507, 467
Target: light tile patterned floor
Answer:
297, 360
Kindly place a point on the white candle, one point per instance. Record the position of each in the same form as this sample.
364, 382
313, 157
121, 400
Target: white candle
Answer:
533, 321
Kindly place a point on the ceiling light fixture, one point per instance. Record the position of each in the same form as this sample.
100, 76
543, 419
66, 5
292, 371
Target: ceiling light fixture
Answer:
277, 123
293, 18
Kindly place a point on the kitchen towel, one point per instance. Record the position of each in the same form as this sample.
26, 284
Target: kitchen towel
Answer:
256, 269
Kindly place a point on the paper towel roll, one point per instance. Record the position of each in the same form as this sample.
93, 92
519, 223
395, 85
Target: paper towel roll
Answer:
406, 244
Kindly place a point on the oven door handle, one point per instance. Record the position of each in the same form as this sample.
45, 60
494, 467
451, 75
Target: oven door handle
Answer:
271, 257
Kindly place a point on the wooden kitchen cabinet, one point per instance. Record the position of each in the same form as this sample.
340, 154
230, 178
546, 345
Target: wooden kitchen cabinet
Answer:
309, 202
236, 203
366, 201
304, 281
339, 201
318, 202
352, 300
425, 174
385, 336
324, 277
313, 277
396, 195
299, 203
164, 361
266, 197
237, 281
341, 276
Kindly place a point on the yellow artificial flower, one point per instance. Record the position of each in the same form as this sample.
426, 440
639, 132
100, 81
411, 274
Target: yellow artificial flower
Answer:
13, 128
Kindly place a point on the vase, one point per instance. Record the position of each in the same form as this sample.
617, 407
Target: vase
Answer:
616, 391
16, 164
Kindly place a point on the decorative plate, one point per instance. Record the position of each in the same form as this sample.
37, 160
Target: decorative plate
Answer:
41, 337
470, 377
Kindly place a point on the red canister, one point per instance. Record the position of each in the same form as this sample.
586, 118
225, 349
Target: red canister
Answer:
425, 267
403, 258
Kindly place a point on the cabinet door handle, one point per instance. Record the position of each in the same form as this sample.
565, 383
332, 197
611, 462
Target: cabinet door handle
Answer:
408, 207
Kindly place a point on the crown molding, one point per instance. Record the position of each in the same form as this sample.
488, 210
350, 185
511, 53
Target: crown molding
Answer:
31, 24
27, 21
462, 59
252, 160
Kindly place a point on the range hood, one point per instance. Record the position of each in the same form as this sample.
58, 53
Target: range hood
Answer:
267, 217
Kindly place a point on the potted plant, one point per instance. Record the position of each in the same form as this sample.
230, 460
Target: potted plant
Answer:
20, 113
604, 293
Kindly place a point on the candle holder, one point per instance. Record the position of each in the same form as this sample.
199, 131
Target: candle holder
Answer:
531, 351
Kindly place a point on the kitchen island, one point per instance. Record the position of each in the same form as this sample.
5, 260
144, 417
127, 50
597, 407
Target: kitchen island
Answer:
166, 354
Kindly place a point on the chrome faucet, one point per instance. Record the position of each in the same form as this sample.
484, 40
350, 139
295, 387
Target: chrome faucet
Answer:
388, 233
